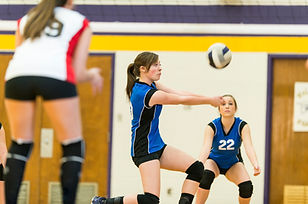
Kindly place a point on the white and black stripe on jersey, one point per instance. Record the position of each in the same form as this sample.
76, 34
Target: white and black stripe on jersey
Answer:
146, 138
241, 126
226, 145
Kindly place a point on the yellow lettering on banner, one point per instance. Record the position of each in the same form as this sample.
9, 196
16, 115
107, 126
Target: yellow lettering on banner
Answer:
302, 123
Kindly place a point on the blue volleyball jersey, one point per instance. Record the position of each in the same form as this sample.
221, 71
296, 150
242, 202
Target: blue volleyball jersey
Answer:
145, 138
226, 146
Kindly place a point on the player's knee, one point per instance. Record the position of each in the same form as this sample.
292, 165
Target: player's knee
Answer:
72, 158
73, 150
147, 198
207, 179
71, 163
195, 171
186, 198
246, 189
20, 151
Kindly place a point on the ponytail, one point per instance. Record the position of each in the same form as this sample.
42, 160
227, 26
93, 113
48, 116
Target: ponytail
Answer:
131, 78
145, 59
39, 17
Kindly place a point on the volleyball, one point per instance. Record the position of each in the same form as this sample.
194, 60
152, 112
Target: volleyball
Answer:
219, 55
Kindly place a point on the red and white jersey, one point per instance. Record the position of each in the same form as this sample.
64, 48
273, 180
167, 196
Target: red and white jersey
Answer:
50, 55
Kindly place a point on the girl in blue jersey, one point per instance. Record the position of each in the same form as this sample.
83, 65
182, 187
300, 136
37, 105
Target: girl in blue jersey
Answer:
3, 153
221, 152
148, 150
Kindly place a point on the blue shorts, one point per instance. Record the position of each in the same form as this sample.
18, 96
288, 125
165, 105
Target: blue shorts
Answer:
224, 166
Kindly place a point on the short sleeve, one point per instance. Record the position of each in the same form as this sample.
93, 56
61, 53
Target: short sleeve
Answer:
242, 125
211, 124
148, 97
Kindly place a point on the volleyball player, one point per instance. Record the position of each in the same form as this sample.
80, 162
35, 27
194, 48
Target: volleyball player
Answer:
221, 152
148, 150
51, 53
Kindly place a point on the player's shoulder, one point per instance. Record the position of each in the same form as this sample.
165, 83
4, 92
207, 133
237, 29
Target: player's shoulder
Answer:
213, 124
139, 90
240, 121
216, 120
69, 14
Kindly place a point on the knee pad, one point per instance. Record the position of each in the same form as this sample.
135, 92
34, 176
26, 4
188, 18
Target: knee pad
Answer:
13, 173
73, 152
17, 156
71, 163
207, 179
195, 171
147, 198
186, 198
1, 173
20, 151
116, 200
245, 189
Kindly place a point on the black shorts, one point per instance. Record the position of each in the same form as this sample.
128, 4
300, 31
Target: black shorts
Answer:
148, 157
1, 173
224, 171
28, 87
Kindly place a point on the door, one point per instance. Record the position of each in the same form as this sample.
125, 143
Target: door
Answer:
289, 152
42, 173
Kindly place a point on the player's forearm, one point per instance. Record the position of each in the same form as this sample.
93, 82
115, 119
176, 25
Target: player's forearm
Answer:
196, 100
204, 154
2, 138
252, 157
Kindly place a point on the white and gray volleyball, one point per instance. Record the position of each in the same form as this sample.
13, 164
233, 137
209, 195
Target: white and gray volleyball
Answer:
219, 55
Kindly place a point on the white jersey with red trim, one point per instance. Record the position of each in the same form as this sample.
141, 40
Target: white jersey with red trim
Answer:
50, 55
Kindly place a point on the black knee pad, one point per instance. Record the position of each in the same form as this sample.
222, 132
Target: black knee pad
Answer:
17, 157
246, 189
116, 200
71, 163
195, 171
1, 173
207, 179
186, 198
147, 198
20, 152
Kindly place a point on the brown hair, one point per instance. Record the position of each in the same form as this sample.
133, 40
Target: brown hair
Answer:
145, 59
40, 16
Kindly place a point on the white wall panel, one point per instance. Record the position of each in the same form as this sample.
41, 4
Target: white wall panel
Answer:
183, 126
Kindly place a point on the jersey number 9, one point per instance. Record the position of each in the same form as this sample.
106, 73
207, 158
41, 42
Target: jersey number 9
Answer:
53, 28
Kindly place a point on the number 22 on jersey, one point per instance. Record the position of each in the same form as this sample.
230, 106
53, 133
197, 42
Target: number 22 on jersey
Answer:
226, 145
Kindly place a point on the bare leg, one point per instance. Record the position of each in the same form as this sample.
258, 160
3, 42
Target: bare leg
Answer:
202, 194
21, 119
170, 161
238, 174
66, 120
2, 197
150, 176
